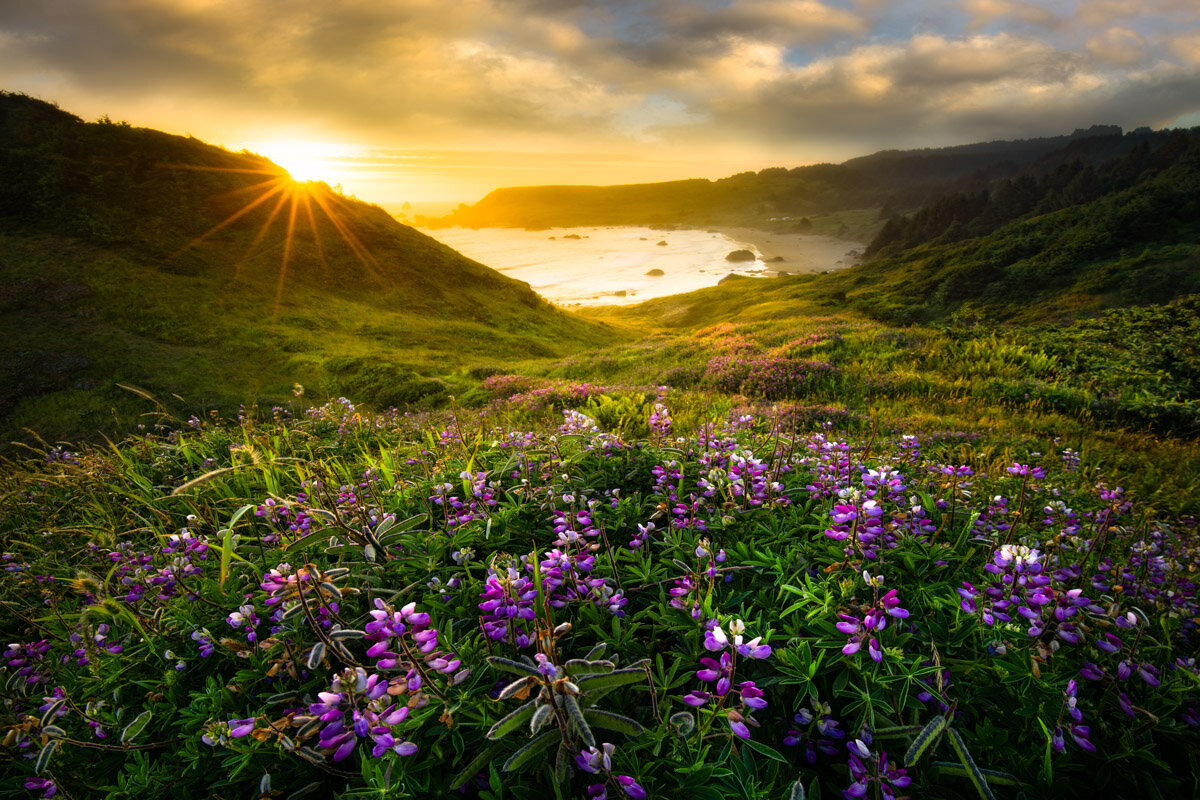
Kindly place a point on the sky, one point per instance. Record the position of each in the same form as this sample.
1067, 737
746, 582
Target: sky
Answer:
429, 101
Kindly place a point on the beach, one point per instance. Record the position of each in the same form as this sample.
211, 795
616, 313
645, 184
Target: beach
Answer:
622, 265
801, 253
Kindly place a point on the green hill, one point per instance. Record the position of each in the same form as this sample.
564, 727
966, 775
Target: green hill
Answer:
789, 199
133, 256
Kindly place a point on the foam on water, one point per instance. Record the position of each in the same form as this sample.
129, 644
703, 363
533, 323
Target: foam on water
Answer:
594, 266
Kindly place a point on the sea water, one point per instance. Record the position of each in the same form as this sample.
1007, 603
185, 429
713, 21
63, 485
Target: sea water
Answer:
604, 265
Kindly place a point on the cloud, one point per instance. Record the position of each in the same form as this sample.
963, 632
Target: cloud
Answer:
1117, 45
1186, 48
985, 12
934, 90
820, 79
779, 21
1103, 13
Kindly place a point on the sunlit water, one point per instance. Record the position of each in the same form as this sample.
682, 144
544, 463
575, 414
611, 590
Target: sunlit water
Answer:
604, 266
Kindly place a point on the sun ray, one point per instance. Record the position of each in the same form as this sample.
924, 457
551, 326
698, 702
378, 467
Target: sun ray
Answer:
368, 261
287, 254
262, 232
326, 273
232, 218
284, 191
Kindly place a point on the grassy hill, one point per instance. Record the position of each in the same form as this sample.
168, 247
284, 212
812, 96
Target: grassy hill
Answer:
132, 256
798, 199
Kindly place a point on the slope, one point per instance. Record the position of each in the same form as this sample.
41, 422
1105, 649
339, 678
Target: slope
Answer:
133, 256
780, 198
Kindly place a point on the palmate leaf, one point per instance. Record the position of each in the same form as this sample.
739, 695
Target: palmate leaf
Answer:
611, 721
532, 748
925, 739
684, 722
972, 771
513, 721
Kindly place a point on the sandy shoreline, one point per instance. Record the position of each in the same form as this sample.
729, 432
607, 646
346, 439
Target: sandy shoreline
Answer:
801, 253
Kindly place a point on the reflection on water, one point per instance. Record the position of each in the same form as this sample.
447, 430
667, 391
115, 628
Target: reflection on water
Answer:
603, 266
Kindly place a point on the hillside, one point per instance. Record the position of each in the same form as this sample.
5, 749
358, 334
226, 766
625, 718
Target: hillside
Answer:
780, 198
133, 256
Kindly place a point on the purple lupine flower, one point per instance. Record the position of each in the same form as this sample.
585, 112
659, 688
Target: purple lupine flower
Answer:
630, 787
360, 706
46, 786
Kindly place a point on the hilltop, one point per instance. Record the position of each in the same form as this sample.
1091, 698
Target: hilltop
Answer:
132, 256
796, 199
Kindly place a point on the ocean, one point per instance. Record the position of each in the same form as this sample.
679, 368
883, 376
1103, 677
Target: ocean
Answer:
605, 265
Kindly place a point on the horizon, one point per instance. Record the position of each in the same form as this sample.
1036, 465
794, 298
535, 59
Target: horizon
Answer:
397, 104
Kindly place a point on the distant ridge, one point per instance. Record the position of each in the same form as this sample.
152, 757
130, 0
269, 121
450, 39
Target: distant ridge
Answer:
891, 180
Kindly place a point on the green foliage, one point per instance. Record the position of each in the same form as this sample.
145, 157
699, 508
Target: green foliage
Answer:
211, 280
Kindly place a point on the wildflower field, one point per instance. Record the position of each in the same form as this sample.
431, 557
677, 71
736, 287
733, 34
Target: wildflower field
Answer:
729, 585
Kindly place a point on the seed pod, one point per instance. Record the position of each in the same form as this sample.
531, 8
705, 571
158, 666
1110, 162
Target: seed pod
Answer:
316, 655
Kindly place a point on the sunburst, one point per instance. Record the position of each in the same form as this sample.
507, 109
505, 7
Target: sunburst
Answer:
291, 201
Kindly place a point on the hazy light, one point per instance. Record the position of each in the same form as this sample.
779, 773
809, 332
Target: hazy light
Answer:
306, 161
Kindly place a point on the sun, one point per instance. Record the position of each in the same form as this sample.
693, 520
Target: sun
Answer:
304, 161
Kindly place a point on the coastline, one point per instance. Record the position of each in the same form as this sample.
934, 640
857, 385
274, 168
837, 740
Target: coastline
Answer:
802, 253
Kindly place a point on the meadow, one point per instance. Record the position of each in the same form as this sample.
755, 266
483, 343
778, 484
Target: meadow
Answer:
781, 558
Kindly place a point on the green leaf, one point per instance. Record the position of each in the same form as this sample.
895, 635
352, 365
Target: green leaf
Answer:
973, 772
513, 721
609, 680
388, 533
304, 542
508, 665
763, 749
43, 759
576, 715
958, 770
475, 765
514, 688
925, 739
562, 766
535, 746
134, 728
348, 633
613, 722
581, 666
684, 722
52, 711
540, 717
226, 554
305, 791
315, 655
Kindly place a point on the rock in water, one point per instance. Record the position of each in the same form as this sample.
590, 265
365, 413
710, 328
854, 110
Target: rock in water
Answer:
740, 255
656, 273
